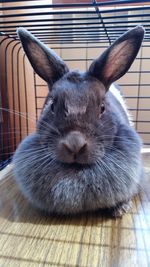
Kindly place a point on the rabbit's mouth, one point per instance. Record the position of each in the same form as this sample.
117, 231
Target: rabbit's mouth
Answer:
76, 160
82, 159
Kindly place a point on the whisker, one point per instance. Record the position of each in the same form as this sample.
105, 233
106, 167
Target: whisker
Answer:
110, 158
26, 116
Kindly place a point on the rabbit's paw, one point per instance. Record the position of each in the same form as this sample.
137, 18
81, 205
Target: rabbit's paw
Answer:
121, 209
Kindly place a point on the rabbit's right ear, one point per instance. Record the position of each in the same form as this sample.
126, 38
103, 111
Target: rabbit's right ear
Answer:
117, 59
46, 63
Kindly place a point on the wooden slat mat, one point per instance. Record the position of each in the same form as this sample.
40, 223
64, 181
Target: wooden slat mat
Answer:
29, 238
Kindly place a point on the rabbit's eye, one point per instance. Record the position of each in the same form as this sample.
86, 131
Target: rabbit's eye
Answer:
102, 108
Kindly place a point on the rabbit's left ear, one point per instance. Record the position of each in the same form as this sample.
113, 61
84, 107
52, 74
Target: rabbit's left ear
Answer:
117, 59
46, 63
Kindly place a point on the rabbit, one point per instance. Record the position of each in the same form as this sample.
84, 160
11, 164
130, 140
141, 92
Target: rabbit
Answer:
85, 155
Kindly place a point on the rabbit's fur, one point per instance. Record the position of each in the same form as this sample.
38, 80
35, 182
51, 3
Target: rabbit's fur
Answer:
84, 154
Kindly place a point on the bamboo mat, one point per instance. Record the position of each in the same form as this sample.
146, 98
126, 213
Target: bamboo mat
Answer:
30, 239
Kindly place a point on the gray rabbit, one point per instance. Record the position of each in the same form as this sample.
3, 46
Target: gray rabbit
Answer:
84, 155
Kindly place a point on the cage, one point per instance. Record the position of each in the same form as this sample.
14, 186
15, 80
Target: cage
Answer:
78, 31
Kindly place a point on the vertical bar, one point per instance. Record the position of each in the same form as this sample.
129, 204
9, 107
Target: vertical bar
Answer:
25, 87
35, 94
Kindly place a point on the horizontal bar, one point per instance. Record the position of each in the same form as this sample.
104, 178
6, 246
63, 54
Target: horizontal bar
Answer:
137, 84
45, 30
141, 121
15, 1
47, 20
143, 132
122, 28
89, 47
33, 27
89, 59
74, 12
66, 42
8, 8
46, 13
65, 36
137, 97
88, 36
74, 42
72, 38
79, 5
86, 4
67, 19
74, 35
99, 3
48, 24
70, 33
139, 109
146, 144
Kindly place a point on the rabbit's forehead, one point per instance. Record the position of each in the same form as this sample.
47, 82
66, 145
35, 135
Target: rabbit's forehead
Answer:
79, 93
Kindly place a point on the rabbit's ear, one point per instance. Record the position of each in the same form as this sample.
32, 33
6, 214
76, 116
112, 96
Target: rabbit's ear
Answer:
117, 59
46, 63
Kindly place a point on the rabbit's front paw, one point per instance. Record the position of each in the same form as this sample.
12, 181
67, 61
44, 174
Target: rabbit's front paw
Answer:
121, 208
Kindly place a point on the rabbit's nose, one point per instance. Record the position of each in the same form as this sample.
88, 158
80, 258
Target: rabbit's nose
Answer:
73, 145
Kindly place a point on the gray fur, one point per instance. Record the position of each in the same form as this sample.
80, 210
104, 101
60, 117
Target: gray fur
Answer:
107, 170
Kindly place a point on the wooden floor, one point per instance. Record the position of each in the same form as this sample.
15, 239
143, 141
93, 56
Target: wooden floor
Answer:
29, 238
